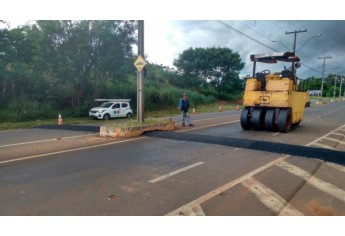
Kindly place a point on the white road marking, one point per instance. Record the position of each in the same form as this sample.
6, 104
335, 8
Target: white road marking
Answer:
270, 198
187, 208
196, 211
89, 147
310, 120
70, 150
332, 132
343, 135
208, 126
334, 140
46, 140
324, 146
174, 172
79, 136
336, 166
314, 181
218, 117
275, 134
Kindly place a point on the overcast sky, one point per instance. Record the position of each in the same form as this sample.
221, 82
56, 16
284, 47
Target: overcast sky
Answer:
166, 38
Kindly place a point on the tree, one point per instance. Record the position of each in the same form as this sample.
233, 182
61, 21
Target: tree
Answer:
219, 67
64, 64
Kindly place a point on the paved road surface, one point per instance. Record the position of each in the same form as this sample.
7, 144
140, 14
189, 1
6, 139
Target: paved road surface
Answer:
213, 168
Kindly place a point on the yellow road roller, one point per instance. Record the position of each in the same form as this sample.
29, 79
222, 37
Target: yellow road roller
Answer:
272, 101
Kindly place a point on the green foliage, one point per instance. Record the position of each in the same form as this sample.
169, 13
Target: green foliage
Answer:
54, 67
22, 108
219, 67
314, 83
65, 64
158, 97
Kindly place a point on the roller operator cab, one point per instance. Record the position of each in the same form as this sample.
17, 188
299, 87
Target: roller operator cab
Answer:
272, 101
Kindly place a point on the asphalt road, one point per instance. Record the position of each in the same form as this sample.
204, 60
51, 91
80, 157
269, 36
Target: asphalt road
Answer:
212, 168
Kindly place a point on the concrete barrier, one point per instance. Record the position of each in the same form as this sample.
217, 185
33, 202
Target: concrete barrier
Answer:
133, 131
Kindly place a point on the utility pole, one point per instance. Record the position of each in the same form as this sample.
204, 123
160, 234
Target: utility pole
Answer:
341, 84
323, 72
140, 74
335, 80
295, 38
294, 45
335, 85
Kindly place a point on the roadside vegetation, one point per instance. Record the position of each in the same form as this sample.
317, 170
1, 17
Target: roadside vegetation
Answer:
52, 67
149, 117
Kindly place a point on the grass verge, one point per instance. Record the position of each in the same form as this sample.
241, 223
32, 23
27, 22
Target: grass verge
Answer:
149, 117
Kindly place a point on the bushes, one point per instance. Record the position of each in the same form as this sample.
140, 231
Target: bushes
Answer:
23, 109
168, 97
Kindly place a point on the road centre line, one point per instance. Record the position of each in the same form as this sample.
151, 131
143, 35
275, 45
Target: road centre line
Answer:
189, 206
312, 180
46, 140
174, 172
70, 150
270, 198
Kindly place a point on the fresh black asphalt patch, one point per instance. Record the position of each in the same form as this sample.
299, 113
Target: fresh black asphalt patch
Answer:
281, 148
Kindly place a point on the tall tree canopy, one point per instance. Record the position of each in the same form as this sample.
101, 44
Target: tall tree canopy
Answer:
219, 67
64, 63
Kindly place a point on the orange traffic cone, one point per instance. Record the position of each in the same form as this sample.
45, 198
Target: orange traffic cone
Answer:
238, 107
220, 108
194, 111
60, 120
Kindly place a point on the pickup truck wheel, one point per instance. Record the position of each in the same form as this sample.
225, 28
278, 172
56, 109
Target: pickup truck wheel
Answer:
106, 117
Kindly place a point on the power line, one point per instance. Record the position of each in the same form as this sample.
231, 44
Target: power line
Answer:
238, 31
258, 23
311, 68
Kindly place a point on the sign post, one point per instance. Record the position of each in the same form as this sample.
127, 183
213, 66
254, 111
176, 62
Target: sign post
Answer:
140, 64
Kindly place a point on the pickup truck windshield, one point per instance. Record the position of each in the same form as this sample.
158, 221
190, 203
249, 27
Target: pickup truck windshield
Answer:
106, 105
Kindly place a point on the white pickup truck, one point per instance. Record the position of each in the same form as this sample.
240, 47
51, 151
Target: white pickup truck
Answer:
112, 108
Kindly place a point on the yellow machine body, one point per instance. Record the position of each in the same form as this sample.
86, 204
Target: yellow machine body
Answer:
279, 93
271, 100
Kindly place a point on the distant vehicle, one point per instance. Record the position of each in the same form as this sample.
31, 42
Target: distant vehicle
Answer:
112, 108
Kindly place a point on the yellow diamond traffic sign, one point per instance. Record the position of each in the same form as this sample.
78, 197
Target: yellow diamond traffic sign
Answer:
139, 63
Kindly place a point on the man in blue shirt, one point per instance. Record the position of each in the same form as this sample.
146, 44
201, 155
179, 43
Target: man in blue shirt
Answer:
184, 106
